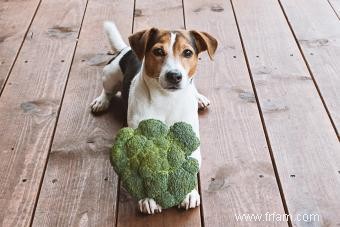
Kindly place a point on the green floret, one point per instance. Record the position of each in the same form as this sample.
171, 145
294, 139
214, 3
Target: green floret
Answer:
176, 156
153, 161
191, 165
118, 155
183, 134
152, 128
181, 182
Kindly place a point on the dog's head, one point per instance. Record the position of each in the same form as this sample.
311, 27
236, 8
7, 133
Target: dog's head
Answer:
170, 57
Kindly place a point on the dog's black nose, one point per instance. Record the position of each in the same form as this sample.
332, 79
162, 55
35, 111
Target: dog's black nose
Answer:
174, 76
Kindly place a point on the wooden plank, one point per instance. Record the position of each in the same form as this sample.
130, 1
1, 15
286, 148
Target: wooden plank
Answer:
169, 15
335, 4
80, 186
237, 172
318, 33
303, 142
14, 23
29, 106
160, 13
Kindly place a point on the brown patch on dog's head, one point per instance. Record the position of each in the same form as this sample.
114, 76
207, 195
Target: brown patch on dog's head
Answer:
189, 44
167, 52
204, 41
153, 45
184, 51
156, 54
139, 41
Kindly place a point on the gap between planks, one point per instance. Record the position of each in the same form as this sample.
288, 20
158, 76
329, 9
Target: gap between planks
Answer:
284, 203
58, 115
2, 86
309, 69
335, 6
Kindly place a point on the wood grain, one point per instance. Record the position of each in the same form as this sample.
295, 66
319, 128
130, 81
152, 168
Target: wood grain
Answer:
169, 15
318, 32
80, 186
161, 13
335, 4
14, 23
303, 142
29, 106
237, 173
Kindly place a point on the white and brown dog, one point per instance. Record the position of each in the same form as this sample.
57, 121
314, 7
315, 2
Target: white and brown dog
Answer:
156, 81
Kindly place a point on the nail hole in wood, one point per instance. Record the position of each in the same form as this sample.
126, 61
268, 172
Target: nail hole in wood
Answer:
257, 56
62, 60
291, 54
26, 61
199, 58
261, 176
292, 175
212, 179
106, 179
311, 54
234, 56
339, 172
90, 141
82, 60
24, 180
54, 181
12, 148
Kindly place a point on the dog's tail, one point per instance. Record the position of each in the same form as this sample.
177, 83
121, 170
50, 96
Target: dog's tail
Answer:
116, 41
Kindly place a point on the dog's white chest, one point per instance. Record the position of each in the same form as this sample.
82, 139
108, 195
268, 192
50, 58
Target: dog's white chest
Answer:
169, 107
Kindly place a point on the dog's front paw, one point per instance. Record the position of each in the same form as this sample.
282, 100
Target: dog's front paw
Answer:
101, 103
149, 206
191, 200
203, 102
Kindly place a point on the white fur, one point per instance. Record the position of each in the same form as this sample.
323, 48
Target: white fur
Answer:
172, 63
149, 206
191, 200
148, 99
112, 74
115, 39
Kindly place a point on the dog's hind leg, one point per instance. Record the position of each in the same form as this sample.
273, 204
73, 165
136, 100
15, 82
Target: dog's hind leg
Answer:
112, 82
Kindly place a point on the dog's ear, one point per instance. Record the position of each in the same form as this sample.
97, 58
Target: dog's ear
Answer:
204, 42
139, 41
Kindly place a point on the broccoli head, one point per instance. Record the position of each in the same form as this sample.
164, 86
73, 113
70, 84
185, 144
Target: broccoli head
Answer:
153, 161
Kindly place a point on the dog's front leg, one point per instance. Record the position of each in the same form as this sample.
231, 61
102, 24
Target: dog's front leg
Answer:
192, 199
149, 206
203, 102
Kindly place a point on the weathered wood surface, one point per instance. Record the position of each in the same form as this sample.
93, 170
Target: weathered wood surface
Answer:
317, 30
14, 23
29, 106
80, 186
335, 4
162, 14
303, 142
237, 172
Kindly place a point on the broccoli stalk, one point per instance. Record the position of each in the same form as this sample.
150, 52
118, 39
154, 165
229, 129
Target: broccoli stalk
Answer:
153, 161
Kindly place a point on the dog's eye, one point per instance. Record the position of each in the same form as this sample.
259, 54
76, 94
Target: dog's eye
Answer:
158, 52
187, 53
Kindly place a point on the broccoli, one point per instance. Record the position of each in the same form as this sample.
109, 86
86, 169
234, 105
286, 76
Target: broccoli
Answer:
153, 161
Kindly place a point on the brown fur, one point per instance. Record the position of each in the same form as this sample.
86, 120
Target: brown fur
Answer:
144, 43
153, 64
182, 43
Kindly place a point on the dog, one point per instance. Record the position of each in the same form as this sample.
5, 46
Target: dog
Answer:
155, 77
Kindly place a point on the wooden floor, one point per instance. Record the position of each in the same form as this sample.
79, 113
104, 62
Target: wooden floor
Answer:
270, 140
